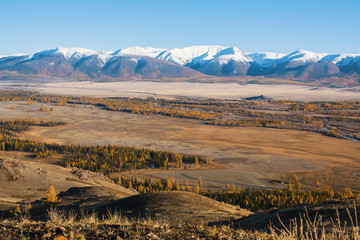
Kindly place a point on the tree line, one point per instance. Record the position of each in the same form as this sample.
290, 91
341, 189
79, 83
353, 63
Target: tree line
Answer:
252, 199
255, 199
10, 127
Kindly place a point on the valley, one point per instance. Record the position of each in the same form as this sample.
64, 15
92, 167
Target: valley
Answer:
245, 156
167, 120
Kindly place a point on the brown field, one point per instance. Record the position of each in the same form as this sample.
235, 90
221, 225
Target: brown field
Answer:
253, 157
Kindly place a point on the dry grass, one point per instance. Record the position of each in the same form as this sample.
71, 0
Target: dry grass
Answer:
60, 218
305, 228
114, 224
115, 218
91, 219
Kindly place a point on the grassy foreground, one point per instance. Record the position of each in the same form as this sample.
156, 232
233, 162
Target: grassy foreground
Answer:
63, 226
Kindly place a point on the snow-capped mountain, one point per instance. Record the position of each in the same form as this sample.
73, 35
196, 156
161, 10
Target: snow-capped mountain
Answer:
187, 55
189, 62
266, 59
222, 62
307, 65
140, 51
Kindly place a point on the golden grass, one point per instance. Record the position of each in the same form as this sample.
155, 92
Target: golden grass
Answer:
306, 228
302, 228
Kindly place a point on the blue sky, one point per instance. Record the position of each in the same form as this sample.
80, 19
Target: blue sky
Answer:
263, 25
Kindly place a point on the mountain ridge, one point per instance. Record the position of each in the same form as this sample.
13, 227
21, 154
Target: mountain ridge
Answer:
188, 62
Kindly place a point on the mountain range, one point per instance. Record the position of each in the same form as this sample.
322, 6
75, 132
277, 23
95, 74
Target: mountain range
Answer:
189, 62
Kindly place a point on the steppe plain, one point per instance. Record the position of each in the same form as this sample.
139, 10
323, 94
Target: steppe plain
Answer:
244, 156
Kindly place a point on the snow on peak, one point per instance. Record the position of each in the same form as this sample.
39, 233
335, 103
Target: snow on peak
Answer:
199, 55
14, 55
73, 55
304, 56
266, 59
232, 53
260, 56
341, 59
139, 51
186, 55
75, 52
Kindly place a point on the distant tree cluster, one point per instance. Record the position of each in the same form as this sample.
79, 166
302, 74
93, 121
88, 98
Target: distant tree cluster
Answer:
147, 185
161, 184
104, 158
10, 127
108, 158
250, 122
187, 158
255, 200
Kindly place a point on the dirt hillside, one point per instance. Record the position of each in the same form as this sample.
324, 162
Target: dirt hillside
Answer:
176, 208
24, 180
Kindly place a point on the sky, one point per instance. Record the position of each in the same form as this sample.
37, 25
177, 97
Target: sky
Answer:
251, 25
